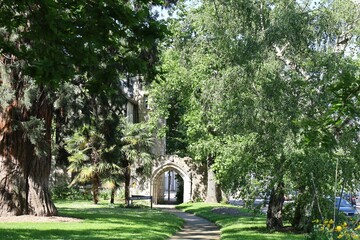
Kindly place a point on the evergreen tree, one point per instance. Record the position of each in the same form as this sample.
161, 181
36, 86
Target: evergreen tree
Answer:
43, 45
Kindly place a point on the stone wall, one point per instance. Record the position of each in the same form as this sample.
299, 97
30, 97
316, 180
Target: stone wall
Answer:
194, 175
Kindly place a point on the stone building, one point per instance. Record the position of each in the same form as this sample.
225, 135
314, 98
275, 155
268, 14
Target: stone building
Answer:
172, 176
188, 181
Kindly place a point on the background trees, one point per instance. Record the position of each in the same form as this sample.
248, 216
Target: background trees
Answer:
268, 91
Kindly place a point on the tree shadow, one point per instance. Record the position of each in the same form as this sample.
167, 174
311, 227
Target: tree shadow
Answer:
88, 234
98, 223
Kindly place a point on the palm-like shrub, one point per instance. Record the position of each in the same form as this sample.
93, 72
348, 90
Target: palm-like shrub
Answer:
137, 143
94, 161
87, 163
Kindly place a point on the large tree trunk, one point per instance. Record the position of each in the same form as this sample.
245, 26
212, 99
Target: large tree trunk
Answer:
302, 221
24, 175
25, 159
213, 191
276, 202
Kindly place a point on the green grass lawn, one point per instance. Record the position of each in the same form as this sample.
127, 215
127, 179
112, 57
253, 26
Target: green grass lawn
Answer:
244, 226
100, 222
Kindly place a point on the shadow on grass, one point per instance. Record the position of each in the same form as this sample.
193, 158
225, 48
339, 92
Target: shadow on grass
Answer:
78, 234
116, 215
257, 233
245, 225
99, 222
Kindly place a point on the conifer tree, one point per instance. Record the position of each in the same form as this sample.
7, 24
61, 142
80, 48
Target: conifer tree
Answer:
43, 45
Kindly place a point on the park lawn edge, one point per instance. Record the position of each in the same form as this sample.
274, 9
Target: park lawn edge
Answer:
101, 222
248, 225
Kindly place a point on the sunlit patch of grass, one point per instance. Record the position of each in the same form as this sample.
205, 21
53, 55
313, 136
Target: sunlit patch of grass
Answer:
102, 221
246, 225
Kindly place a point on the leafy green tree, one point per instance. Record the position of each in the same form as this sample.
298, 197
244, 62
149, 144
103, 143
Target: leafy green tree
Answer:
273, 90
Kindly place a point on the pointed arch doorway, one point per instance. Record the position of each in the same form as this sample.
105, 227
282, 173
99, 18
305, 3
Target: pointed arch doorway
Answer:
162, 182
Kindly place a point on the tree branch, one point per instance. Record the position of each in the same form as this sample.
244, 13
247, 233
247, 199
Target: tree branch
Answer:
280, 54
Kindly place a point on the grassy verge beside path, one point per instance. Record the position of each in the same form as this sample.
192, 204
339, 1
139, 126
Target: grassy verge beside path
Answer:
242, 226
99, 222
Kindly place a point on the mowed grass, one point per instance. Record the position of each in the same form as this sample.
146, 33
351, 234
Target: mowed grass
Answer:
99, 222
244, 226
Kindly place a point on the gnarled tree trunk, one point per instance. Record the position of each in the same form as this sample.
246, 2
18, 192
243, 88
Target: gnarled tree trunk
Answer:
276, 202
25, 159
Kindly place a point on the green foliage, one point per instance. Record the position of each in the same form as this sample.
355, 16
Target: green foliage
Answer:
6, 93
87, 149
137, 142
82, 161
64, 192
269, 90
81, 37
289, 213
79, 46
34, 130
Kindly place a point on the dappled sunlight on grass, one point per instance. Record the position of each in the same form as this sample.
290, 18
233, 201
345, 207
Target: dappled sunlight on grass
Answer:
245, 225
99, 222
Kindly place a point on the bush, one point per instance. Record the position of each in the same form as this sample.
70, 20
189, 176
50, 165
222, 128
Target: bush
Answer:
288, 212
105, 194
64, 192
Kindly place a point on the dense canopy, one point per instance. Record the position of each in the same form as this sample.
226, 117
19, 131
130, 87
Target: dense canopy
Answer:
264, 92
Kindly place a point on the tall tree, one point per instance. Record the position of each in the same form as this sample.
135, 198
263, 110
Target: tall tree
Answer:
273, 83
44, 44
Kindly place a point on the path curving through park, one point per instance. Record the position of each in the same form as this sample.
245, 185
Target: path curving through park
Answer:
195, 227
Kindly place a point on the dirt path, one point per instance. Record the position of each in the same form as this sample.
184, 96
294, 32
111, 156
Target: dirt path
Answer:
194, 227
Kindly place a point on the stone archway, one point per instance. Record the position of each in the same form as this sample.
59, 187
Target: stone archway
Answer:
192, 174
194, 178
157, 181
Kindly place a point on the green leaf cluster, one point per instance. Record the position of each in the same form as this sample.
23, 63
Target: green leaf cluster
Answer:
269, 89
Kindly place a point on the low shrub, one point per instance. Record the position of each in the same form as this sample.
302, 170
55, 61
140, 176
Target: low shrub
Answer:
64, 192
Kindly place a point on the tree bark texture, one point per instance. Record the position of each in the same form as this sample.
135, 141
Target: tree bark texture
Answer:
276, 202
24, 174
301, 220
213, 191
95, 188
